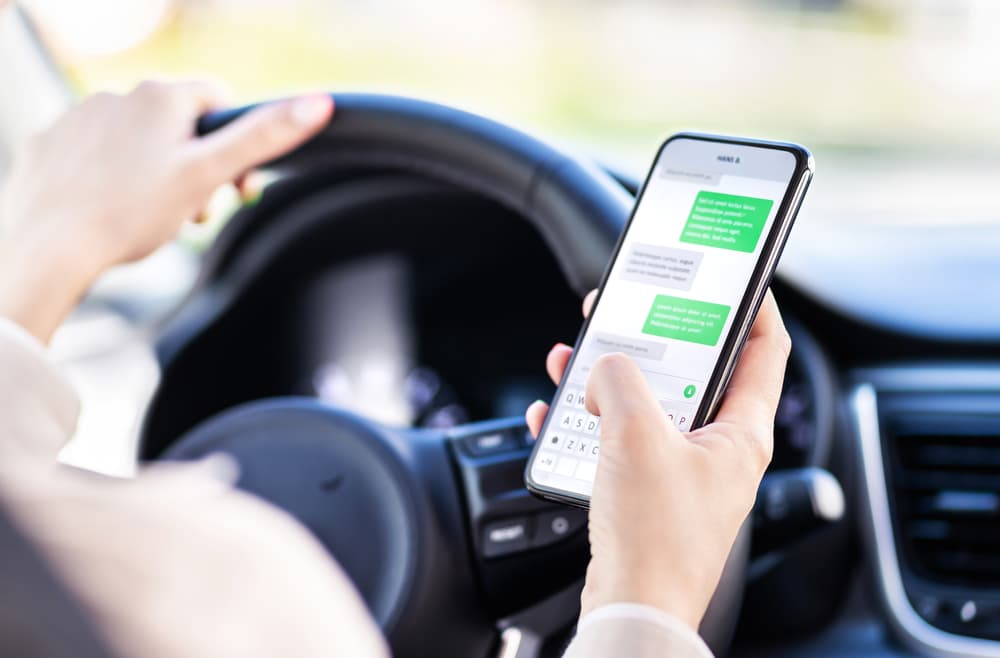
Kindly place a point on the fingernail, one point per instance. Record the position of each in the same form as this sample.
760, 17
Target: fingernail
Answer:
250, 187
310, 110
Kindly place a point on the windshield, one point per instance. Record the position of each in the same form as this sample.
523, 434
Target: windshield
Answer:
898, 99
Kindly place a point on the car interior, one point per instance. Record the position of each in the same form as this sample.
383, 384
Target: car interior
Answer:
364, 339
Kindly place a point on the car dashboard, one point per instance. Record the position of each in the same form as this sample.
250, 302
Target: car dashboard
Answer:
441, 312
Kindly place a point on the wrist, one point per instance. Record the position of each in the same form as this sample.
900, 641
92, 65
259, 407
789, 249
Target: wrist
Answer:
42, 278
683, 608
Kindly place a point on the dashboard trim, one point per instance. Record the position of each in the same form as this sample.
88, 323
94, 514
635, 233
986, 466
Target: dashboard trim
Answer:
933, 378
910, 627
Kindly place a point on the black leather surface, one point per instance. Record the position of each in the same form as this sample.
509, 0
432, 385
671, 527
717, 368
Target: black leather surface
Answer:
578, 209
349, 491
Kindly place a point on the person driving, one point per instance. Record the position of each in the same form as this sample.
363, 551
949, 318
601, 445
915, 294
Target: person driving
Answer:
176, 561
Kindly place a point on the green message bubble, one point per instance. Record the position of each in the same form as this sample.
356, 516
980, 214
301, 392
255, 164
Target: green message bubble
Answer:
727, 221
686, 319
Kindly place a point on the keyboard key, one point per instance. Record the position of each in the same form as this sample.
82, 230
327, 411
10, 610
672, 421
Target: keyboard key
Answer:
546, 462
566, 466
683, 422
595, 450
671, 415
586, 471
590, 427
566, 421
579, 422
579, 401
554, 440
569, 397
583, 448
569, 444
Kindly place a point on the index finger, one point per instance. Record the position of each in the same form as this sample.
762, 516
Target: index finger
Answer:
588, 302
203, 95
755, 388
261, 134
192, 97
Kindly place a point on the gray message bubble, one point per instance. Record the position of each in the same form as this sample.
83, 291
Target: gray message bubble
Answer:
689, 176
603, 343
666, 267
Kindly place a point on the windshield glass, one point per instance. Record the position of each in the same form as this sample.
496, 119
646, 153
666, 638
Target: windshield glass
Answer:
898, 99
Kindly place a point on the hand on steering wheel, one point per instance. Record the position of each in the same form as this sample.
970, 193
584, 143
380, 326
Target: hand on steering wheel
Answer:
667, 505
115, 178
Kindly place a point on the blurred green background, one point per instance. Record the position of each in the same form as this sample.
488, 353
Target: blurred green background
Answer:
899, 99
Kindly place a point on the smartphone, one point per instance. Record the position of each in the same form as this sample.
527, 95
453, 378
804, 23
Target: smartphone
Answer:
680, 294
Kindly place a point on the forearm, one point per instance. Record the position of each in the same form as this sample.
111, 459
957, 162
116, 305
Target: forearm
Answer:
41, 281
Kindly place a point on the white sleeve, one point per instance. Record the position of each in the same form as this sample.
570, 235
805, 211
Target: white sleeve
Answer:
175, 562
638, 631
40, 408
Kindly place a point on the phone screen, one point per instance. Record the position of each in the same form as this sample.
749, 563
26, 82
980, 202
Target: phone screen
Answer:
670, 297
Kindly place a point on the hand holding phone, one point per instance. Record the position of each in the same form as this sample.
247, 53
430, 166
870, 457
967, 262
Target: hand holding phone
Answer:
669, 504
680, 294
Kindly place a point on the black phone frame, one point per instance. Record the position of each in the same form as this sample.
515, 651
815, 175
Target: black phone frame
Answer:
746, 312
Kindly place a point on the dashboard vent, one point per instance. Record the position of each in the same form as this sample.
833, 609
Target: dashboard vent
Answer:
945, 482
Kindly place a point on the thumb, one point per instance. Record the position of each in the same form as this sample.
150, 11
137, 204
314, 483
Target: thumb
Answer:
621, 396
263, 134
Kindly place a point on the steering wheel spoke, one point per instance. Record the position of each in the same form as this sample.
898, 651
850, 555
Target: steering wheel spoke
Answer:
403, 511
524, 548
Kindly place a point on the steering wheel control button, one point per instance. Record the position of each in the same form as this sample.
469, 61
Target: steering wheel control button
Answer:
552, 527
505, 537
491, 443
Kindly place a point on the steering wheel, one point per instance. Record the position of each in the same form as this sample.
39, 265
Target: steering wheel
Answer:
435, 528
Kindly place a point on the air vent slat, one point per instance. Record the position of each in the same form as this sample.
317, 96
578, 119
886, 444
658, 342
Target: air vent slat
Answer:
959, 563
967, 534
946, 494
947, 456
967, 480
955, 503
